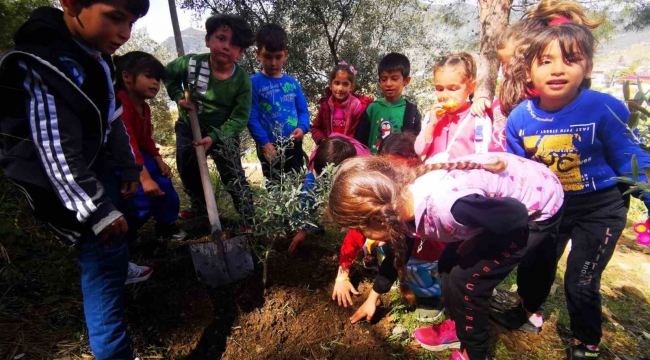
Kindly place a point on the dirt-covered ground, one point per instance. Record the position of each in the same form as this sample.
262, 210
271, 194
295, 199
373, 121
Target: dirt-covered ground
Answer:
174, 316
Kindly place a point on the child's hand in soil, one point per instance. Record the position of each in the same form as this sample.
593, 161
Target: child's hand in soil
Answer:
367, 310
151, 188
341, 294
299, 238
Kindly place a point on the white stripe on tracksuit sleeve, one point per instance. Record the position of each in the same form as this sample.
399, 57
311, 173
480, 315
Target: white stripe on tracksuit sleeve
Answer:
45, 134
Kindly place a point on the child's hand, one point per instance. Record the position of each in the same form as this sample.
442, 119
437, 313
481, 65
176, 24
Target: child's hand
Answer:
341, 294
479, 106
151, 188
433, 113
165, 170
117, 227
185, 105
206, 142
269, 151
367, 310
299, 238
129, 189
297, 134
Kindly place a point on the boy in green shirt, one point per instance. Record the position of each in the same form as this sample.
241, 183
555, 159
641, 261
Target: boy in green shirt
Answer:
221, 91
392, 113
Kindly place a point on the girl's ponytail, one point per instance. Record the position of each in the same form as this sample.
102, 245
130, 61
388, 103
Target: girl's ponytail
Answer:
495, 167
550, 10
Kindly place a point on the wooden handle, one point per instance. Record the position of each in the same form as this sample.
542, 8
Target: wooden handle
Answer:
208, 191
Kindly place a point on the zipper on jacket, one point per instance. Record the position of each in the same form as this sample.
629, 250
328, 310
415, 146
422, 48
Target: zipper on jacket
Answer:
47, 64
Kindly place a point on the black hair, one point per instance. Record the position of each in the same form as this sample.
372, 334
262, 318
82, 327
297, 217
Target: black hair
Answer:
271, 37
242, 34
344, 67
332, 150
136, 63
137, 8
399, 144
395, 62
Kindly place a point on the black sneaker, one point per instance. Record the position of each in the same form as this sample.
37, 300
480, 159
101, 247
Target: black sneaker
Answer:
581, 351
169, 232
515, 318
370, 262
429, 309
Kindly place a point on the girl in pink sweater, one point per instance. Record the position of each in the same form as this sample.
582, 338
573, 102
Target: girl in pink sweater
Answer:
491, 209
450, 129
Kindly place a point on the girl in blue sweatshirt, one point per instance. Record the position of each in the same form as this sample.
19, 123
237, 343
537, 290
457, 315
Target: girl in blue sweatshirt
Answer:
581, 135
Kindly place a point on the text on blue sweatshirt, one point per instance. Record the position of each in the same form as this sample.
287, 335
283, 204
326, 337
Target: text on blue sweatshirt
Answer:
583, 143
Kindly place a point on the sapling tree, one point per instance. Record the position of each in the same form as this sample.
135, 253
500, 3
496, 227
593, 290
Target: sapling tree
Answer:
285, 205
638, 120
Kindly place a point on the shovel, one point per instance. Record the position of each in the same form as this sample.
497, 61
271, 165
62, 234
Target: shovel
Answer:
217, 262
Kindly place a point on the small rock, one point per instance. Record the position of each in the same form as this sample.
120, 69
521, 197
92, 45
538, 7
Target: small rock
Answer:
523, 345
633, 292
608, 291
624, 266
646, 268
399, 330
607, 314
646, 335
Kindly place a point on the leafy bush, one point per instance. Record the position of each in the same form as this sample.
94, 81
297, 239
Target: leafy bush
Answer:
284, 207
638, 120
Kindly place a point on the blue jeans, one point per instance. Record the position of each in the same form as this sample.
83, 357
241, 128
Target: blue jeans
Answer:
163, 208
103, 273
103, 270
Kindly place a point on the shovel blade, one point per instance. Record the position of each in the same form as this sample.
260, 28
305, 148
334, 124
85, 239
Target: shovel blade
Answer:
216, 269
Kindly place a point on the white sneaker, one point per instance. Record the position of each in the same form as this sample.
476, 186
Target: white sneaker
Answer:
137, 273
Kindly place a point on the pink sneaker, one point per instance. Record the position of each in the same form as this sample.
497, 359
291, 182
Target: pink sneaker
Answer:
457, 355
438, 337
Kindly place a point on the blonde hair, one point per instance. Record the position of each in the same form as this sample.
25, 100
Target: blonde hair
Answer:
549, 10
539, 18
462, 59
370, 190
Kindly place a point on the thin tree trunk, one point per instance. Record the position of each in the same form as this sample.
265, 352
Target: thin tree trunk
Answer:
493, 19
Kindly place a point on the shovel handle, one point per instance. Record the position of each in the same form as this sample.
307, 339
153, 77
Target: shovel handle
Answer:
201, 157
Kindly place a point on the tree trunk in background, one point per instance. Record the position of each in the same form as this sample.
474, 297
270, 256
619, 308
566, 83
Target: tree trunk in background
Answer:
493, 19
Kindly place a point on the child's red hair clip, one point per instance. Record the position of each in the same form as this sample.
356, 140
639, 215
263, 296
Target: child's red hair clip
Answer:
641, 230
559, 20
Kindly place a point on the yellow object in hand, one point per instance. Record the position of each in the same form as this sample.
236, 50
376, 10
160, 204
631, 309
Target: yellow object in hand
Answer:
370, 244
451, 104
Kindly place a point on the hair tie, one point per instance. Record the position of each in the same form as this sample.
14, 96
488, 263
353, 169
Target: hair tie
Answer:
352, 69
560, 20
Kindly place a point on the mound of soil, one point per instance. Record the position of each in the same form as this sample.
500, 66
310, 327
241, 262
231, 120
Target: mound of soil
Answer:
294, 318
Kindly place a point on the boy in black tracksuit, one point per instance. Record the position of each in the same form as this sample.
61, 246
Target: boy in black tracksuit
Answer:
61, 140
